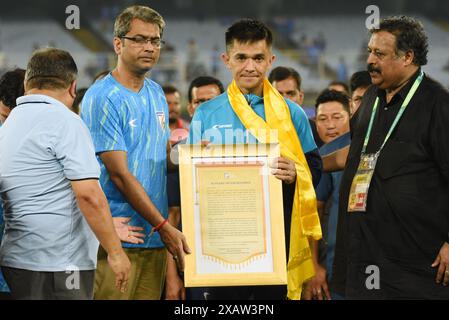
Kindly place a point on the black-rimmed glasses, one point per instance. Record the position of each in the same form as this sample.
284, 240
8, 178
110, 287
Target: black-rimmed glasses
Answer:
141, 41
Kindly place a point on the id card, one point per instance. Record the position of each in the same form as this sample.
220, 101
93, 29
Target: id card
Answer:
361, 182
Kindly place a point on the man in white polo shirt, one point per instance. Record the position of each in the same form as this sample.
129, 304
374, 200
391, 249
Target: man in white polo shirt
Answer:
49, 186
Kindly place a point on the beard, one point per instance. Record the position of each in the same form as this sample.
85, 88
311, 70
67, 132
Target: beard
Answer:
172, 120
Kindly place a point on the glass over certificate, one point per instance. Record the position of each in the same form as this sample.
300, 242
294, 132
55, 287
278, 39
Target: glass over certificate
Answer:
232, 215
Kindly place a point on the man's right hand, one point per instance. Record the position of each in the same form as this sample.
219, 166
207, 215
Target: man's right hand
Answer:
175, 243
174, 284
121, 266
317, 288
94, 206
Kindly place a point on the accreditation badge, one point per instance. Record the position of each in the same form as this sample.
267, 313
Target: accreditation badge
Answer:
361, 182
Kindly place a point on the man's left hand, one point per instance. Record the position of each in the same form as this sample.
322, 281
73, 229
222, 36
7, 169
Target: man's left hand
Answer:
442, 261
284, 169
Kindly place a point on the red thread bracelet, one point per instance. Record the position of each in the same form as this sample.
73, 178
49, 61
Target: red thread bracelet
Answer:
159, 226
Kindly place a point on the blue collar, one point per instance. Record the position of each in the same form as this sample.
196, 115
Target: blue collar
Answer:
253, 99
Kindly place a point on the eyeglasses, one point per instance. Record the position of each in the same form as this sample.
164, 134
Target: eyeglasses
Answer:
141, 41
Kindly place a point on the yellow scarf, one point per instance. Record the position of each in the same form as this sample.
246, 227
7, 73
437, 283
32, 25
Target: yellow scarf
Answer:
305, 221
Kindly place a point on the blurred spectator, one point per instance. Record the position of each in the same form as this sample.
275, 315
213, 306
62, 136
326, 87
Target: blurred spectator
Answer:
339, 86
313, 57
167, 68
284, 27
203, 89
320, 42
342, 70
215, 61
363, 55
178, 126
288, 82
359, 82
11, 87
192, 51
194, 66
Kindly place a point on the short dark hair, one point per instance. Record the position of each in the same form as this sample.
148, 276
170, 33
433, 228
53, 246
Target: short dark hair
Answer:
248, 31
11, 87
123, 21
204, 81
283, 73
360, 79
340, 83
169, 89
50, 68
332, 95
410, 36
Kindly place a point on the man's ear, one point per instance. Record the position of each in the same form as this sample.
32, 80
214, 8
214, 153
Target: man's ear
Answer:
225, 58
409, 56
117, 45
72, 89
271, 60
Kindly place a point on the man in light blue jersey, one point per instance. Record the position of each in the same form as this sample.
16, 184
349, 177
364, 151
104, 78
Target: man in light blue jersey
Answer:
50, 191
127, 116
248, 56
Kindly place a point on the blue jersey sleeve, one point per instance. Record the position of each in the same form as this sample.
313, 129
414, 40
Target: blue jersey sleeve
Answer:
302, 126
195, 131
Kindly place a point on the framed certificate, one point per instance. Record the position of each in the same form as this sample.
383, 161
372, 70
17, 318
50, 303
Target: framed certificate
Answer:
232, 215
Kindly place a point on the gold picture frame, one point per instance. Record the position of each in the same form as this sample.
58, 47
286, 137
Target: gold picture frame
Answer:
232, 215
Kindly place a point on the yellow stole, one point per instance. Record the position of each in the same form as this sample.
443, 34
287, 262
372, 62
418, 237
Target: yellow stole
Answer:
305, 221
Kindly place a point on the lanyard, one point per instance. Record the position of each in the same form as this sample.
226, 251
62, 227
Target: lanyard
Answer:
398, 116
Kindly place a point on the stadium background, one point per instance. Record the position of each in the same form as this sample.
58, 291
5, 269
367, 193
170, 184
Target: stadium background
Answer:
324, 40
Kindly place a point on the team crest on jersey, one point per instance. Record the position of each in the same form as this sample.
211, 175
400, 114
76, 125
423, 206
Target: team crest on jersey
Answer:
161, 118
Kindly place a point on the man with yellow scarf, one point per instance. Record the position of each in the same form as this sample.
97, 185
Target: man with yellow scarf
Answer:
237, 116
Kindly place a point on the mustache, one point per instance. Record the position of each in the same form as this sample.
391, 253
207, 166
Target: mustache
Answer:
372, 68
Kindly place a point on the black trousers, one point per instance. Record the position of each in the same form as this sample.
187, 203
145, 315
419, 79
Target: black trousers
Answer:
37, 285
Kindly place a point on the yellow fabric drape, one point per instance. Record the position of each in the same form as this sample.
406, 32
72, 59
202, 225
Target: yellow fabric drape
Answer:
305, 221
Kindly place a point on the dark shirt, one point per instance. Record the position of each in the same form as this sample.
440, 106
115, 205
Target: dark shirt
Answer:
407, 216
